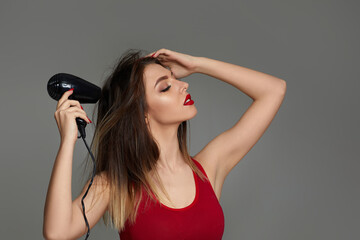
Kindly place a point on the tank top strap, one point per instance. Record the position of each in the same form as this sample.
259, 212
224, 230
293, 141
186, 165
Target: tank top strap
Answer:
200, 167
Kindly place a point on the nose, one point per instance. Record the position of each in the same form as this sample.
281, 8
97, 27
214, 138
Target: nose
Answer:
186, 86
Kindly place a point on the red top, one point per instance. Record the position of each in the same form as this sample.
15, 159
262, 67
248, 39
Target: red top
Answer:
202, 219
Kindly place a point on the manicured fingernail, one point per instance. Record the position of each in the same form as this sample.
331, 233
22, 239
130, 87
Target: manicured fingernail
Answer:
81, 107
89, 120
153, 54
70, 89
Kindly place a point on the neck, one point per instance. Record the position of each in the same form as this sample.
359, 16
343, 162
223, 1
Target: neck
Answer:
170, 158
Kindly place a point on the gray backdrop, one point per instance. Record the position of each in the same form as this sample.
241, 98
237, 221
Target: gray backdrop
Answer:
300, 181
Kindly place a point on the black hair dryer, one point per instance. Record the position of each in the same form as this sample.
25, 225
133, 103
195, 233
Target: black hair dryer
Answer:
84, 92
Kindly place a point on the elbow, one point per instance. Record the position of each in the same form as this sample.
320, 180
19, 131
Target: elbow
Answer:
53, 230
45, 233
48, 235
281, 88
53, 236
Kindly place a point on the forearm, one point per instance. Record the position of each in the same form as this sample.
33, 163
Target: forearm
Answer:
253, 83
58, 205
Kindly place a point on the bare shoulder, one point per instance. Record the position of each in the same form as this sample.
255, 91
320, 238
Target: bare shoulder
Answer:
99, 190
102, 179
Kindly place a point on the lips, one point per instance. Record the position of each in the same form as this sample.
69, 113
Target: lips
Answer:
189, 102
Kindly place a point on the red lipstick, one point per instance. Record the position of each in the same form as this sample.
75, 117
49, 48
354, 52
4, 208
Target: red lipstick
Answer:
190, 102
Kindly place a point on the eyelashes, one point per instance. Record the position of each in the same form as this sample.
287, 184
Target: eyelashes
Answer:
164, 90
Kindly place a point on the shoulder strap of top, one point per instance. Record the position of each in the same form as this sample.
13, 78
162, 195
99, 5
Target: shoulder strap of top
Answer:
199, 166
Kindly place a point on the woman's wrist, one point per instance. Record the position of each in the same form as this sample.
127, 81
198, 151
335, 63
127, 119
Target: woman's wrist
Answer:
67, 143
201, 64
197, 64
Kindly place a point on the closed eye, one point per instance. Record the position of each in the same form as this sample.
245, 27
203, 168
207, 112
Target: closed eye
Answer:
164, 90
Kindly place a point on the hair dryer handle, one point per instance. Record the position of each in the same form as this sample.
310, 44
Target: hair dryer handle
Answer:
81, 123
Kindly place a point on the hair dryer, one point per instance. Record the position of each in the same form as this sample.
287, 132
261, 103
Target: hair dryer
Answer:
84, 92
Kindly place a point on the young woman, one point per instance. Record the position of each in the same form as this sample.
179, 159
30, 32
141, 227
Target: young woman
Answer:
146, 183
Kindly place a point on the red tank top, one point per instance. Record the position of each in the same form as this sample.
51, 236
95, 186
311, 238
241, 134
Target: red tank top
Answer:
202, 219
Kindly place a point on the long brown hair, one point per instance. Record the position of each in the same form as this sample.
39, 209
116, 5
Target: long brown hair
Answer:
124, 149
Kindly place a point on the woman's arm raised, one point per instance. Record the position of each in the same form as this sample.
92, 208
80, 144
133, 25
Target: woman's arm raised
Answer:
222, 154
255, 84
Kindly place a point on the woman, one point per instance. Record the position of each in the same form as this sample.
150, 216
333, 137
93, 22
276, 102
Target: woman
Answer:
146, 182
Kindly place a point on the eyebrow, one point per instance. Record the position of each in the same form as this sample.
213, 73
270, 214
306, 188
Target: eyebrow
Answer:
162, 78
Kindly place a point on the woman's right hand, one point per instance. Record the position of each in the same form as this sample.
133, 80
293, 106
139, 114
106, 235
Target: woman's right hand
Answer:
65, 115
182, 65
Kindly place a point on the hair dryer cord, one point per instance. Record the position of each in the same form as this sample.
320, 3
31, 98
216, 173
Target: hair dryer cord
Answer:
92, 178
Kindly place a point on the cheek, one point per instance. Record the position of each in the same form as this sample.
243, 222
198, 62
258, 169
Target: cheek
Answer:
163, 104
164, 108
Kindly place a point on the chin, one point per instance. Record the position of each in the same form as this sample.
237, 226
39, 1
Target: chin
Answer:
193, 114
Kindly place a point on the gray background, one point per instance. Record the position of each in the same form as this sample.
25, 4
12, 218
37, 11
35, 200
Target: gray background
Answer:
300, 181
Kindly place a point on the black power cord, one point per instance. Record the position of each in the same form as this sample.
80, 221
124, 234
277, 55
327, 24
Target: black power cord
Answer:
81, 128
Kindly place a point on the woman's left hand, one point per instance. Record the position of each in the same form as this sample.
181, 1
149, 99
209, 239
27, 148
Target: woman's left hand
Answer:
182, 65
